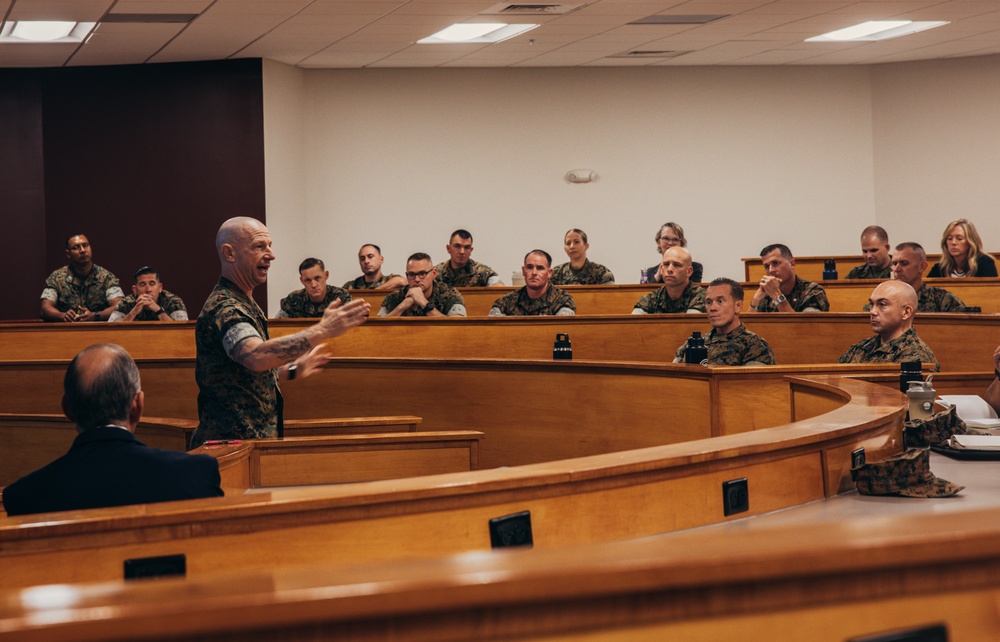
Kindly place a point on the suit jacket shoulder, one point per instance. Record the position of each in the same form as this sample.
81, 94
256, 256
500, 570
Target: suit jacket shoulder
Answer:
108, 466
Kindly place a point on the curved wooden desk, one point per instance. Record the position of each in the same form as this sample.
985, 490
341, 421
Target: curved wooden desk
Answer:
962, 342
815, 583
610, 300
606, 497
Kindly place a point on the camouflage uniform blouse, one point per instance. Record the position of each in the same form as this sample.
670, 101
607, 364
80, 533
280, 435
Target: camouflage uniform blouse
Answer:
170, 303
737, 348
69, 291
298, 305
234, 402
589, 274
906, 347
868, 272
360, 283
805, 294
445, 300
471, 275
519, 304
933, 300
659, 301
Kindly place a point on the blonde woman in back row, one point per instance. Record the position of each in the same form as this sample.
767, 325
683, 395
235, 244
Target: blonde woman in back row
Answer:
962, 253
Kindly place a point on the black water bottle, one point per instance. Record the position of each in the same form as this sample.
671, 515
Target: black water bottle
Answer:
696, 351
829, 270
562, 349
909, 371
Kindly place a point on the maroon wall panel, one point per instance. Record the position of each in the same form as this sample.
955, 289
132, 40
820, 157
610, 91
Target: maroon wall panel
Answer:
22, 193
147, 160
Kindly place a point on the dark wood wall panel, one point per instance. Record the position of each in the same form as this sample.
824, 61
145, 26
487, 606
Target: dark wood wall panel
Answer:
22, 193
148, 160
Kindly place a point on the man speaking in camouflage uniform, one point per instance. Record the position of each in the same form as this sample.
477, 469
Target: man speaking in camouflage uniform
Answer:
460, 271
781, 290
678, 294
315, 297
238, 365
149, 301
538, 297
729, 343
80, 291
426, 296
893, 305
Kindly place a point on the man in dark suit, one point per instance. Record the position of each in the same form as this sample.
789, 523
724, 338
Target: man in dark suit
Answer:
107, 465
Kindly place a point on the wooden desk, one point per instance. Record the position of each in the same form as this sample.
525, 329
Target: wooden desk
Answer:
342, 459
573, 501
643, 401
589, 299
811, 267
29, 441
814, 582
795, 339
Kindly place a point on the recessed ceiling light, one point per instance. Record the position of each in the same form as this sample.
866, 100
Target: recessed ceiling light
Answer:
466, 32
876, 30
41, 30
44, 31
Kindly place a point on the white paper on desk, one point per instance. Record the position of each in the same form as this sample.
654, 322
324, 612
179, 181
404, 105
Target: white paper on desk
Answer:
976, 442
973, 410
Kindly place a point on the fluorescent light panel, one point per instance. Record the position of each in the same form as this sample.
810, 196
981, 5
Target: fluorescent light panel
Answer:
41, 30
476, 32
44, 32
874, 30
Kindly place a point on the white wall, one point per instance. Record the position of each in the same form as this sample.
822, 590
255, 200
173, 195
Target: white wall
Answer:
284, 171
937, 148
741, 156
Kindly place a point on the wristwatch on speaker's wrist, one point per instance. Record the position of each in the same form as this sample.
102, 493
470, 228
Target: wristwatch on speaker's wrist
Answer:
781, 298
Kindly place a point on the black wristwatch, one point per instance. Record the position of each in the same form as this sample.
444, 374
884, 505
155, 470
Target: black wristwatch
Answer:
428, 307
996, 372
162, 311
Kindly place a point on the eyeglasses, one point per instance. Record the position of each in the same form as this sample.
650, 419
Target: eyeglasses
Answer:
670, 240
418, 275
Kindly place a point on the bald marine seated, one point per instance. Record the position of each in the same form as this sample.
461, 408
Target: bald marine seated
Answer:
729, 343
107, 465
893, 306
678, 293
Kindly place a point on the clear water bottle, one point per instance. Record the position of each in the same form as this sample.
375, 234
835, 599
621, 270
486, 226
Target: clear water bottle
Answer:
696, 351
643, 278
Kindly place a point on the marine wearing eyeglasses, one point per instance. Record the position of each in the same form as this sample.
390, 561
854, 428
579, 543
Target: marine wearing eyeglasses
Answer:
424, 295
671, 235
